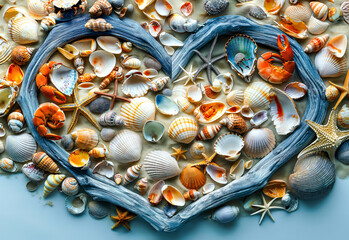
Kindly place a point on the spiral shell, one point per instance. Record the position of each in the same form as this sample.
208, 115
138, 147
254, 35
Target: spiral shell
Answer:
132, 174
345, 10
316, 44
70, 186
256, 96
142, 185
131, 62
48, 22
209, 132
85, 139
126, 47
44, 162
126, 147
331, 93
191, 195
110, 119
235, 123
159, 83
15, 121
320, 10
52, 182
259, 142
76, 204
118, 178
98, 25
185, 105
23, 30
20, 148
183, 130
8, 165
20, 55
100, 7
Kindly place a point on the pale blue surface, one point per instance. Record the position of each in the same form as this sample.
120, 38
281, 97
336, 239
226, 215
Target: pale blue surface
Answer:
23, 215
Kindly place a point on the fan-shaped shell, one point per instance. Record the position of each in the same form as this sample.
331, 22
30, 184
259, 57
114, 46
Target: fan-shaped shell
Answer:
229, 145
135, 86
316, 26
155, 194
20, 148
316, 44
160, 165
37, 9
86, 139
166, 106
338, 45
298, 12
256, 96
23, 30
76, 204
52, 182
192, 177
259, 142
329, 65
319, 9
331, 93
125, 147
98, 209
343, 117
70, 186
173, 195
5, 50
102, 62
235, 97
183, 130
209, 111
110, 44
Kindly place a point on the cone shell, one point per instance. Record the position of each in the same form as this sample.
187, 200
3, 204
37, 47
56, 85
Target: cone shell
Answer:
160, 165
185, 105
86, 139
8, 165
316, 26
273, 6
320, 10
137, 112
142, 185
316, 44
44, 162
183, 130
345, 10
70, 186
331, 93
52, 182
259, 142
132, 174
98, 25
343, 117
173, 195
101, 7
235, 98
329, 65
209, 111
256, 96
298, 12
229, 145
20, 148
275, 188
209, 132
191, 195
155, 194
23, 30
235, 123
338, 45
126, 147
21, 55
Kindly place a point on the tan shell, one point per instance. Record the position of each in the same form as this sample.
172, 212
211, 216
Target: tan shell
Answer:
235, 123
85, 139
21, 55
23, 30
275, 188
331, 93
183, 130
192, 177
259, 142
235, 97
298, 12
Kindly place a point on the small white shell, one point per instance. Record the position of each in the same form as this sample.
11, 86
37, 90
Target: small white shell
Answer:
150, 73
76, 204
237, 169
169, 40
102, 62
110, 44
316, 26
104, 168
173, 195
296, 90
126, 147
207, 188
135, 86
20, 148
229, 145
259, 118
153, 131
194, 94
338, 45
246, 112
163, 7
8, 165
329, 65
235, 98
218, 174
154, 28
165, 105
259, 142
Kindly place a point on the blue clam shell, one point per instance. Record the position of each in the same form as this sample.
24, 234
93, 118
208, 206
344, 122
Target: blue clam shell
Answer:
241, 43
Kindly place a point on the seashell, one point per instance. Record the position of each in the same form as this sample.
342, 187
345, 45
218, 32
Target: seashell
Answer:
20, 148
316, 44
100, 7
137, 112
170, 50
132, 173
155, 194
197, 149
79, 65
117, 4
44, 162
85, 139
32, 186
110, 44
151, 13
183, 130
67, 142
160, 165
342, 153
79, 159
150, 73
250, 201
159, 83
170, 210
8, 95
118, 178
2, 146
235, 97
256, 96
185, 105
289, 202
110, 119
334, 14
12, 11
102, 62
227, 81
259, 142
20, 55
235, 123
166, 106
2, 130
23, 30
8, 165
226, 214
179, 91
192, 177
87, 77
98, 209
331, 93
131, 62
142, 185
63, 78
257, 12
215, 7
237, 169
259, 118
345, 10
176, 23
234, 109
99, 152
216, 86
52, 182
14, 75
241, 54
126, 147
150, 62
5, 50
142, 4
296, 90
317, 166
273, 7
296, 29
153, 131
320, 10
98, 25
229, 146
163, 7
70, 186
338, 45
69, 51
126, 47
173, 195
194, 94
135, 86
48, 22
275, 188
218, 174
246, 112
33, 172
209, 132
76, 204
89, 86
186, 8
169, 40
207, 188
191, 195
298, 12
104, 168
85, 46
107, 134
15, 121
316, 26
343, 117
329, 65
209, 111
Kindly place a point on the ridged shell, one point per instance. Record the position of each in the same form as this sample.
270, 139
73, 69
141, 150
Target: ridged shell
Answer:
76, 204
23, 30
319, 9
5, 50
183, 130
256, 96
86, 139
209, 111
259, 142
110, 119
98, 25
160, 165
37, 9
298, 12
101, 7
159, 83
342, 153
70, 186
125, 147
229, 145
155, 194
316, 26
98, 209
135, 86
302, 181
343, 117
345, 10
316, 44
44, 162
33, 172
132, 174
226, 214
52, 182
331, 93
235, 97
173, 195
209, 132
218, 174
214, 7
8, 165
329, 65
296, 90
185, 105
20, 148
20, 55
338, 45
235, 123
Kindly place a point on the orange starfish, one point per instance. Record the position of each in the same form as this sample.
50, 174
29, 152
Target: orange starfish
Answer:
207, 161
343, 89
122, 218
179, 153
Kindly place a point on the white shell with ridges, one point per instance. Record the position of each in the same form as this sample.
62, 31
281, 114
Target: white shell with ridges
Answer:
135, 86
126, 147
23, 30
160, 165
256, 96
229, 145
259, 142
183, 130
329, 65
20, 148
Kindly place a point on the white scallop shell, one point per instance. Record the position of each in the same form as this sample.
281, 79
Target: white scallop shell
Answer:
36, 9
185, 105
329, 65
235, 97
259, 142
135, 86
183, 130
20, 148
338, 45
229, 145
256, 96
110, 44
316, 26
23, 30
102, 62
125, 147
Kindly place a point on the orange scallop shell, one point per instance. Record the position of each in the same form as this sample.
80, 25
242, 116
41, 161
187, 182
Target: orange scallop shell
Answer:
192, 177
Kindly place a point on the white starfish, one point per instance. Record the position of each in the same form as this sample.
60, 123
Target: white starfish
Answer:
265, 208
190, 76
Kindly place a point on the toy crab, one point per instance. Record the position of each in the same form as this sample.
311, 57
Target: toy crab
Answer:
65, 8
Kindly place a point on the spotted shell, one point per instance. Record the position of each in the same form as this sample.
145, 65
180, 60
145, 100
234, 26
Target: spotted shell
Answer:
20, 55
331, 93
183, 130
259, 142
70, 186
85, 138
343, 117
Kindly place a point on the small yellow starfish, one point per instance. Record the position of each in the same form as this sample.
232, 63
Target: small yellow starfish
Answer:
189, 76
265, 208
343, 89
329, 137
122, 219
179, 153
207, 161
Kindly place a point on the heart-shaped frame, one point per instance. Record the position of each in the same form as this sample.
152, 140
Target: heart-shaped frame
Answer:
103, 189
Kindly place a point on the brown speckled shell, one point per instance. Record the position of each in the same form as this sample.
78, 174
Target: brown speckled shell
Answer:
235, 123
21, 55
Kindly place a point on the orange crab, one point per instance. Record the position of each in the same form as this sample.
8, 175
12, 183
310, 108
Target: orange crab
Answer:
42, 83
50, 114
273, 73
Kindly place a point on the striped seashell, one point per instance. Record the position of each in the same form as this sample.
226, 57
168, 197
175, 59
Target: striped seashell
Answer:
37, 9
256, 96
160, 165
100, 7
343, 117
31, 171
142, 185
52, 182
15, 121
126, 147
85, 139
159, 83
70, 186
298, 12
110, 119
5, 50
98, 209
316, 44
191, 195
20, 55
87, 77
98, 25
331, 93
184, 104
131, 62
208, 132
320, 10
132, 174
183, 130
99, 152
127, 47
235, 97
118, 178
334, 14
8, 165
20, 148
136, 113
44, 162
23, 30
316, 26
48, 22
329, 65
235, 123
259, 142
345, 10
79, 64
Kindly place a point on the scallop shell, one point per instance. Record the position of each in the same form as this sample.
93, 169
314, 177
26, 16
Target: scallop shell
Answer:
20, 148
338, 45
173, 195
132, 174
79, 159
8, 165
110, 44
293, 28
229, 145
98, 209
98, 25
235, 123
237, 169
275, 188
259, 118
102, 62
153, 131
52, 182
345, 10
76, 204
137, 112
273, 6
160, 165
20, 55
183, 130
142, 4
191, 195
226, 214
329, 65
32, 172
343, 117
320, 10
5, 50
169, 40
317, 166
110, 119
298, 12
209, 132
104, 168
12, 11
296, 90
209, 111
185, 105
218, 174
86, 139
163, 7
256, 96
334, 14
135, 86
23, 30
316, 44
235, 97
155, 194
44, 162
259, 142
126, 147
85, 46
186, 8
208, 188
331, 93
70, 186
316, 26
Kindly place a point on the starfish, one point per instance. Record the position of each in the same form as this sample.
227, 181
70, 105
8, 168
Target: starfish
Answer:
114, 96
189, 77
265, 208
207, 161
329, 137
79, 107
122, 219
343, 89
208, 62
179, 153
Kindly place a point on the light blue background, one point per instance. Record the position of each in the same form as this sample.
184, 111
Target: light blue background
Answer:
24, 215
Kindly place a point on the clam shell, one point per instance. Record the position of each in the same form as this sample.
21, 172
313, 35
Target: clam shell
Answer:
85, 46
192, 177
226, 214
5, 50
20, 55
98, 209
256, 96
275, 188
343, 117
150, 73
52, 182
126, 147
194, 94
298, 12
207, 188
183, 130
69, 51
20, 148
8, 165
104, 168
320, 10
169, 40
154, 28
296, 90
176, 23
229, 145
8, 97
259, 118
166, 106
70, 186
163, 7
338, 45
209, 132
234, 109
153, 131
142, 4
293, 28
151, 13
135, 86
110, 44
331, 93
209, 111
237, 169
329, 65
173, 195
186, 8
235, 97
14, 75
316, 26
274, 6
226, 80
345, 10
32, 186
64, 78
15, 122
160, 165
102, 62
76, 204
85, 138
246, 112
316, 44
23, 30
235, 123
185, 105
155, 194
33, 172
79, 159
218, 174
259, 142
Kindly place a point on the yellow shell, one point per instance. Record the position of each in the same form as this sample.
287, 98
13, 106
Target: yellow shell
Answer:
23, 30
85, 138
52, 182
183, 130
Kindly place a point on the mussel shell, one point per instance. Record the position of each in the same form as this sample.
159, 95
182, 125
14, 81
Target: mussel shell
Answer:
98, 209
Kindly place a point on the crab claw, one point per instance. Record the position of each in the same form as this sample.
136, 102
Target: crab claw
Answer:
42, 130
53, 94
285, 48
83, 8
